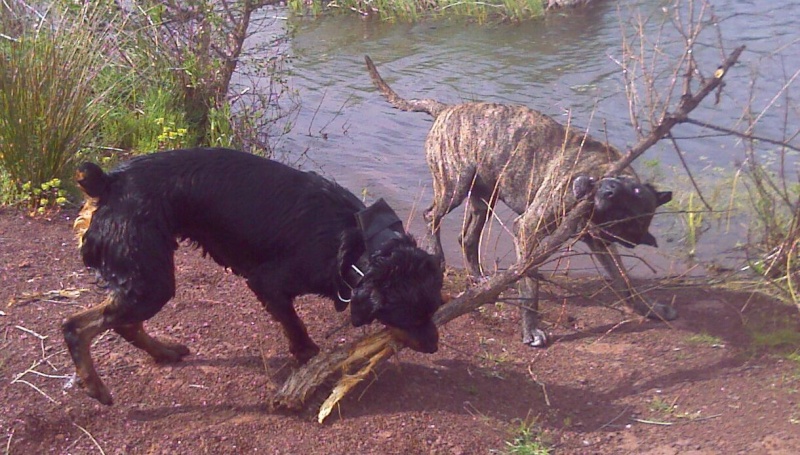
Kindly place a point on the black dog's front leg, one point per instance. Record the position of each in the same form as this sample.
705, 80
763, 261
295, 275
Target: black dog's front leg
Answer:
280, 307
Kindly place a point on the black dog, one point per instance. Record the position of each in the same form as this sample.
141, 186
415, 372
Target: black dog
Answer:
287, 232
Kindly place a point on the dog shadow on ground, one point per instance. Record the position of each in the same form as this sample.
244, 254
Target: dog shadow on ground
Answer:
524, 383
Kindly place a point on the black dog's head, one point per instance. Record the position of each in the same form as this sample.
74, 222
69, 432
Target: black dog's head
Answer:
623, 208
401, 288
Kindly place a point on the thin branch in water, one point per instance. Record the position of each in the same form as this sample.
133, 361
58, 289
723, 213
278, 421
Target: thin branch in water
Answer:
679, 152
748, 136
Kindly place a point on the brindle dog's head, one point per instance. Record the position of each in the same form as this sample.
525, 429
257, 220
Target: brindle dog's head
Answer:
623, 208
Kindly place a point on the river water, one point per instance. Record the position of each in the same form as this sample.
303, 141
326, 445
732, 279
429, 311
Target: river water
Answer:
565, 65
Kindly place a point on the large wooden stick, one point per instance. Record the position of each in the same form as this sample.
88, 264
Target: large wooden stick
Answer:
365, 353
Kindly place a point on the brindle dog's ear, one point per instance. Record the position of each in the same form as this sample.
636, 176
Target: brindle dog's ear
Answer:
582, 186
663, 197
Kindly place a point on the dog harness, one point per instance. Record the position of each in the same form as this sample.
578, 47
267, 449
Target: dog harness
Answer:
378, 224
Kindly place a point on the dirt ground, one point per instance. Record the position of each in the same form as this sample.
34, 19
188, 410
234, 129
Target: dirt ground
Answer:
721, 379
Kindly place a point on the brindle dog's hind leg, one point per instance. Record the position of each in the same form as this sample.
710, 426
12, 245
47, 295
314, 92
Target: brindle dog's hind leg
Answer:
609, 258
448, 193
476, 213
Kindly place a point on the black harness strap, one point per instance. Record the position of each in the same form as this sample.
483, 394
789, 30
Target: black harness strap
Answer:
378, 224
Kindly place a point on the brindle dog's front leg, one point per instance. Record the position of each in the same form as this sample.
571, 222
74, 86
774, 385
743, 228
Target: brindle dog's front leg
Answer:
609, 258
528, 287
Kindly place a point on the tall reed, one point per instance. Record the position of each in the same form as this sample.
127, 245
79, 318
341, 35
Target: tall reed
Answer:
47, 98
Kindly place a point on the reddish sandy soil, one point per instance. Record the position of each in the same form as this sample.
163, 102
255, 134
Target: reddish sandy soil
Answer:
702, 385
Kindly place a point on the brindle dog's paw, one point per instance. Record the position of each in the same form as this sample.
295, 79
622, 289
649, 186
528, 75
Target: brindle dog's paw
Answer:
476, 279
535, 338
657, 311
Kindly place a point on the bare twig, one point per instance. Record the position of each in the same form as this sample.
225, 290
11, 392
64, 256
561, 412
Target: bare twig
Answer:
97, 444
611, 422
746, 135
8, 443
22, 381
540, 384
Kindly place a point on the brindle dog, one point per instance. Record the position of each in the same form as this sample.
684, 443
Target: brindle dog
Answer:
540, 169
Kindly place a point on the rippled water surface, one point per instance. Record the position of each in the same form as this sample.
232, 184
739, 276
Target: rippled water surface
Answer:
564, 65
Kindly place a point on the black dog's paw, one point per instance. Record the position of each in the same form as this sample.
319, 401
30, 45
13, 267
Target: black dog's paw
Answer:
582, 186
96, 389
535, 338
169, 352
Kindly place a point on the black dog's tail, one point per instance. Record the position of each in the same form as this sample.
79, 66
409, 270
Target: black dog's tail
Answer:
92, 180
432, 107
94, 183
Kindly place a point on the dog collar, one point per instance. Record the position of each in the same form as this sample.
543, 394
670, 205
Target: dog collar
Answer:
378, 224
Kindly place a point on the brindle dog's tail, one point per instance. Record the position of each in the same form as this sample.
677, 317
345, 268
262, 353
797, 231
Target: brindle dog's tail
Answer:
432, 107
93, 182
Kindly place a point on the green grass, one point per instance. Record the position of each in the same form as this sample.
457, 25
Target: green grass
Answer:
705, 338
780, 338
528, 439
776, 335
48, 102
661, 406
415, 10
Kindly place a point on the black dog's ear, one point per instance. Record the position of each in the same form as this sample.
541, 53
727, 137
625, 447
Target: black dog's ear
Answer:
582, 186
362, 308
663, 197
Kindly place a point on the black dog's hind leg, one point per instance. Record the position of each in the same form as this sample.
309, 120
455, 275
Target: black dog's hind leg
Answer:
124, 317
161, 351
609, 258
280, 307
137, 298
79, 331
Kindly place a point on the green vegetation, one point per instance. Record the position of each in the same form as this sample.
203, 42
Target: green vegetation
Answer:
774, 244
105, 80
705, 338
660, 406
773, 335
413, 10
48, 101
528, 439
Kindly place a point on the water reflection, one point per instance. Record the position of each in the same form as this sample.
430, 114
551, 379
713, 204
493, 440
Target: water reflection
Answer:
563, 65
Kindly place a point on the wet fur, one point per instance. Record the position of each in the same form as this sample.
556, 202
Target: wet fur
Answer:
287, 232
485, 152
